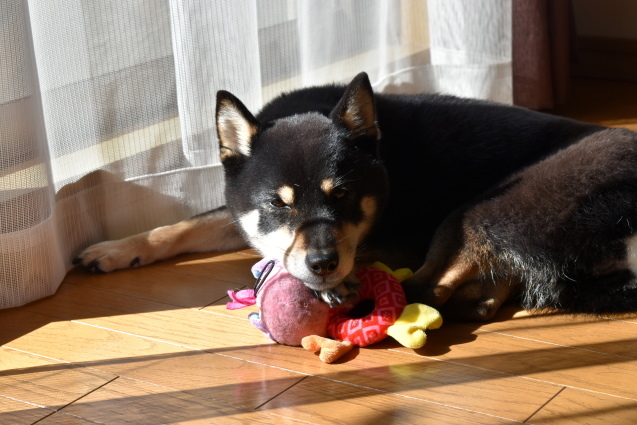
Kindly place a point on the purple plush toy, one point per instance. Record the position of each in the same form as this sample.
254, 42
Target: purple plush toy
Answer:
298, 312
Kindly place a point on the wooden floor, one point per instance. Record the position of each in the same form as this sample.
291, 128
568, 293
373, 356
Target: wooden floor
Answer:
156, 345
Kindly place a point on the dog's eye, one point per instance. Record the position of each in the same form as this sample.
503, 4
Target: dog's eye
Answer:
339, 193
278, 203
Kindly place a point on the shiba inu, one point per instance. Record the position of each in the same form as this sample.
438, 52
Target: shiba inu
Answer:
487, 202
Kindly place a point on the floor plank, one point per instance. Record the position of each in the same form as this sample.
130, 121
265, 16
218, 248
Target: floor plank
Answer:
217, 378
12, 360
208, 278
17, 322
59, 418
584, 332
478, 390
14, 412
560, 365
52, 386
90, 346
100, 350
319, 401
182, 326
583, 408
219, 307
228, 266
126, 401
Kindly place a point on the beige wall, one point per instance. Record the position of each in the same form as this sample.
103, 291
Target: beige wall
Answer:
606, 18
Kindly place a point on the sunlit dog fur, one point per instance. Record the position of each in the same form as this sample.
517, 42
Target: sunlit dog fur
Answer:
487, 202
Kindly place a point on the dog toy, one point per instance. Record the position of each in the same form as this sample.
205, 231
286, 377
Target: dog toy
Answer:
288, 310
291, 314
329, 349
380, 285
409, 329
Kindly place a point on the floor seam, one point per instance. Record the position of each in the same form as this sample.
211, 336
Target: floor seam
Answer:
544, 405
281, 392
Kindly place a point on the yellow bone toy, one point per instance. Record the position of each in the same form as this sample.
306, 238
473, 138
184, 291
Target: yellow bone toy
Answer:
410, 327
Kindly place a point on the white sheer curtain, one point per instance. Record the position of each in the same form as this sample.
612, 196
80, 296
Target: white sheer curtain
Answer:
107, 106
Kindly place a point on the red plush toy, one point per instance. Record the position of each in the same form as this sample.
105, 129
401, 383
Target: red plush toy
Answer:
290, 313
384, 289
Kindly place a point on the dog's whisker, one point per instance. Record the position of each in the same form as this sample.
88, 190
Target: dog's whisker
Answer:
229, 223
342, 239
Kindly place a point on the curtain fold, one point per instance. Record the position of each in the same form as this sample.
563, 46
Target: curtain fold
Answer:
542, 37
107, 107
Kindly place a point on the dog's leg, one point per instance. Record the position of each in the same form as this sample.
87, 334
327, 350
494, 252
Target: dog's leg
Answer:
459, 290
435, 283
459, 275
478, 299
212, 231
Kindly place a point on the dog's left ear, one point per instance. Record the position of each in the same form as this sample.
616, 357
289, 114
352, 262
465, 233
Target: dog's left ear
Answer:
236, 127
357, 110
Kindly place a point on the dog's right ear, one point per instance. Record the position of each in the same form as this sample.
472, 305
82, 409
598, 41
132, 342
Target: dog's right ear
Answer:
236, 127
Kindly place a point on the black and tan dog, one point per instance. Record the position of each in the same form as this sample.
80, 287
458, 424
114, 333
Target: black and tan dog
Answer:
498, 202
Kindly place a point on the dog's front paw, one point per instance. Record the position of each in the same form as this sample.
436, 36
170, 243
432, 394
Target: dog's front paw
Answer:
111, 255
345, 293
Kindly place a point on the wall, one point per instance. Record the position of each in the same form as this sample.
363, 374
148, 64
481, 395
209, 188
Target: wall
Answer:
606, 19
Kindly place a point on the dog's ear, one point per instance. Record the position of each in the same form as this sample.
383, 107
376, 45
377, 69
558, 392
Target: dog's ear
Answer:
357, 110
236, 127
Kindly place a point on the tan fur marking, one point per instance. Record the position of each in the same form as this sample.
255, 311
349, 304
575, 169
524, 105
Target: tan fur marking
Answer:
298, 246
327, 185
368, 205
353, 118
286, 193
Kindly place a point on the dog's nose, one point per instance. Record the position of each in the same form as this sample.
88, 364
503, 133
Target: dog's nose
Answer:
322, 262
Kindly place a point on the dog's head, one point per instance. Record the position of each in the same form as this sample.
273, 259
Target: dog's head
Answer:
307, 188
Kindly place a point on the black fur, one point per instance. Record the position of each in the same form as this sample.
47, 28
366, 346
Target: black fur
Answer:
440, 152
560, 226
